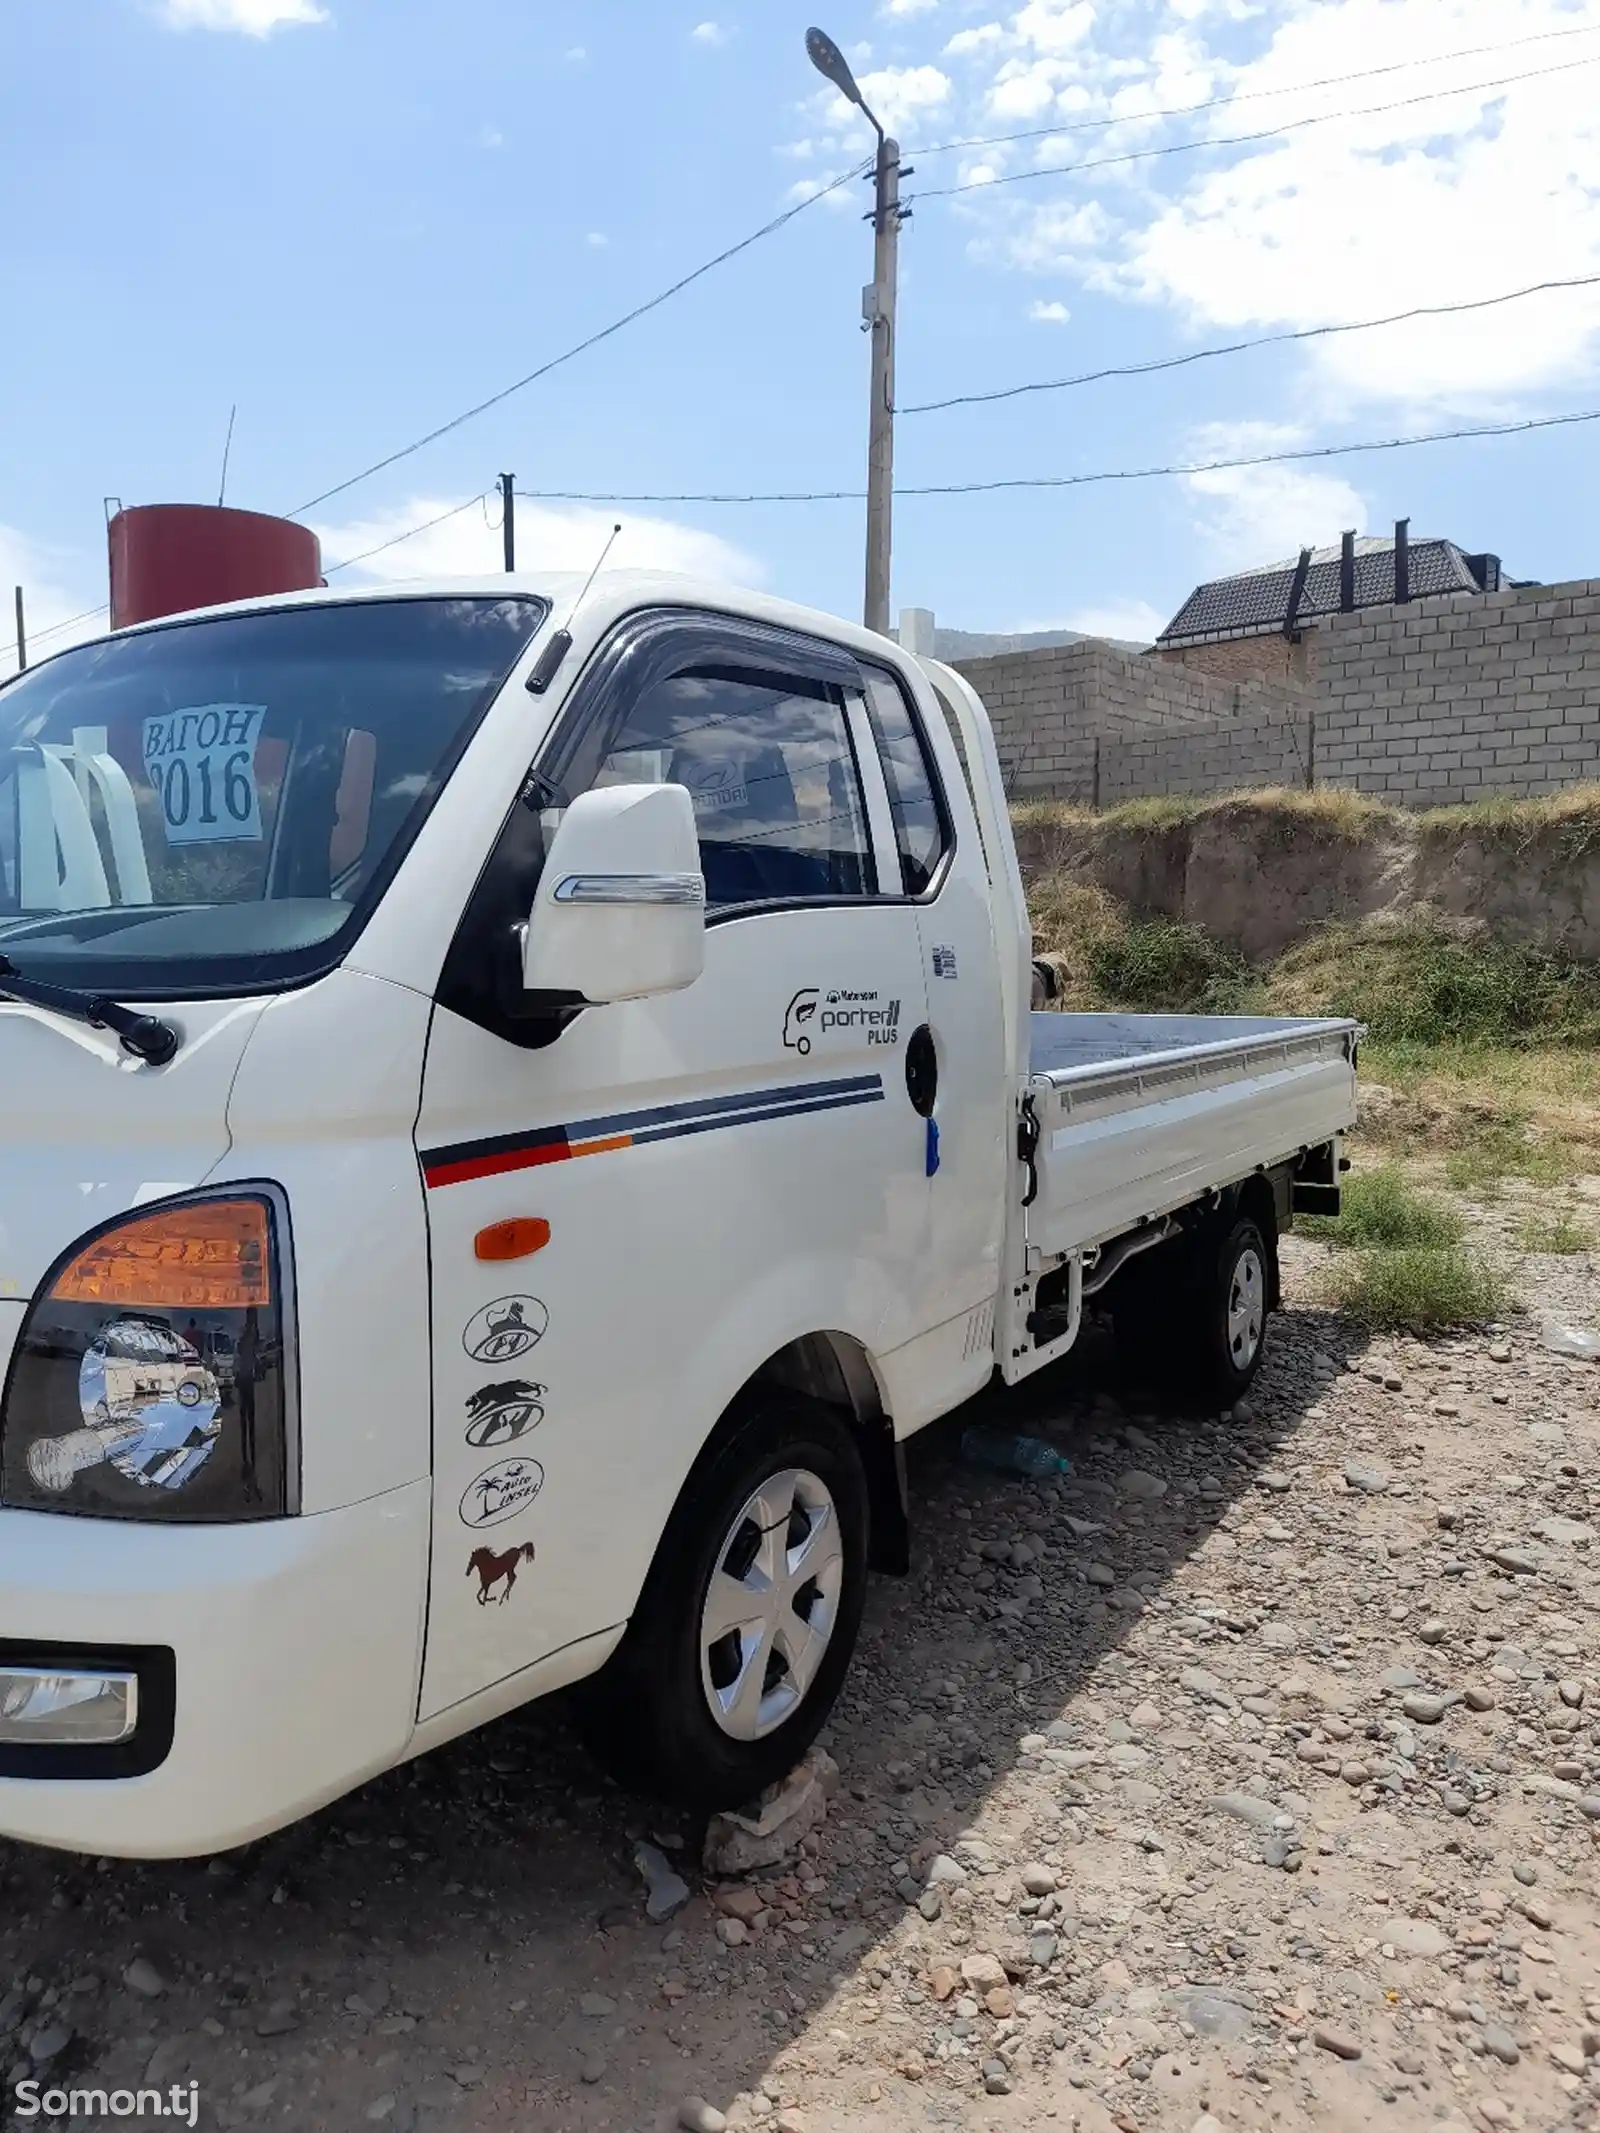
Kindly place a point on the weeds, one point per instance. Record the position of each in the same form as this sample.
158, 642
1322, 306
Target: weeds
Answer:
1418, 1288
1557, 1234
1499, 1146
1158, 965
1423, 984
1381, 1209
1567, 822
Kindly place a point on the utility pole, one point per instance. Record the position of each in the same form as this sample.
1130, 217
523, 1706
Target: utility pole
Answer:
878, 303
878, 310
508, 518
22, 635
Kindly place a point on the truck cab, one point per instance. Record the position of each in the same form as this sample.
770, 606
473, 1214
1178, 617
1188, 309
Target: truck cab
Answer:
518, 1103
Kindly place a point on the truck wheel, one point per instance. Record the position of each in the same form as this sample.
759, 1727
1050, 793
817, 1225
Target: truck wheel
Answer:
1227, 1313
744, 1629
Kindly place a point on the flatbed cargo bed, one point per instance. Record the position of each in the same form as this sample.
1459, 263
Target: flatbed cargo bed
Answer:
1140, 1115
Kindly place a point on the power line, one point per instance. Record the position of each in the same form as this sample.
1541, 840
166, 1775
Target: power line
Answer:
1265, 340
410, 533
1246, 96
1245, 140
653, 303
1062, 481
37, 637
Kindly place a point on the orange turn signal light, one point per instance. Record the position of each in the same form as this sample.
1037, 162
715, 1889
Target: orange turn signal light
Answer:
519, 1238
213, 1255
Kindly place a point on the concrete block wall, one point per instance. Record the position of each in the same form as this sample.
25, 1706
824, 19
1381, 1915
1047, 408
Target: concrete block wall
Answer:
1047, 705
1455, 698
1438, 701
1206, 759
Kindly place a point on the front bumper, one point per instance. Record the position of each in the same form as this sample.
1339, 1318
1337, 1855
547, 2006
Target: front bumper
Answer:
296, 1650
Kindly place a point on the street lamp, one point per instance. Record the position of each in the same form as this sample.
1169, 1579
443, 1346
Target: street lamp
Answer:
878, 309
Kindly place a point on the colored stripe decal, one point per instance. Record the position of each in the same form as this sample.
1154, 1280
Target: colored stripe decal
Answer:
499, 1154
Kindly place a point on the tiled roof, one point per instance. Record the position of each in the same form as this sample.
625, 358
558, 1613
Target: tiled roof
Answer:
1256, 601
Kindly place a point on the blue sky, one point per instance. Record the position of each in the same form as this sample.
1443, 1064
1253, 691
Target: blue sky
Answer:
356, 217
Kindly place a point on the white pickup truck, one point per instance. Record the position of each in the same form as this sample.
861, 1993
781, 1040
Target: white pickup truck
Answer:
517, 1102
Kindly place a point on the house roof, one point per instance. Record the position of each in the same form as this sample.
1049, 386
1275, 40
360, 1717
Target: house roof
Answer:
1255, 602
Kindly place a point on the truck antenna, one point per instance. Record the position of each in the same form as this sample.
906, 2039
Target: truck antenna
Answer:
548, 663
589, 580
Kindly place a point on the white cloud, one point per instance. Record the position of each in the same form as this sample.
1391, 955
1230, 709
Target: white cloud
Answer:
1247, 516
549, 537
1471, 194
909, 7
1135, 620
252, 18
708, 33
576, 52
597, 240
1054, 314
983, 38
51, 590
491, 137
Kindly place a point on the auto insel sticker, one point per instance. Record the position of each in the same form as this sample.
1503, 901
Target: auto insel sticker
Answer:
505, 1329
491, 1570
501, 1491
499, 1414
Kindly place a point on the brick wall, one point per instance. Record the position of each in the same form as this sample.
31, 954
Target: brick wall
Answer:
1438, 701
1271, 658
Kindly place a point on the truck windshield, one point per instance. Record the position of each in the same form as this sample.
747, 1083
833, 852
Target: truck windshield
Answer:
215, 806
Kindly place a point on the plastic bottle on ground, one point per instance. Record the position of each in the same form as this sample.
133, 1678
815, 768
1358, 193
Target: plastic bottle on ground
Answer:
1004, 1452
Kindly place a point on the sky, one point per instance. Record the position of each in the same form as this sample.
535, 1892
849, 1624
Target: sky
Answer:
353, 220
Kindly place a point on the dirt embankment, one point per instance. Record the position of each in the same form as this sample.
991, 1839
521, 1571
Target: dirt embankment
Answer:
1263, 871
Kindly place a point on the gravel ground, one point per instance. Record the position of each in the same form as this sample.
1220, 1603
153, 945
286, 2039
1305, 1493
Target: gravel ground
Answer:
1248, 1778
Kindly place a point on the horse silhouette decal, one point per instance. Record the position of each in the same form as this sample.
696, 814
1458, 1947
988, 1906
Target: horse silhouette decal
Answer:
495, 1569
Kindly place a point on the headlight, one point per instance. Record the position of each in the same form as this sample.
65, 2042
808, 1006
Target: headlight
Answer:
149, 1378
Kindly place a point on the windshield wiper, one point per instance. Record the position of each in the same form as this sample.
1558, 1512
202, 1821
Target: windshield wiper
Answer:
146, 1036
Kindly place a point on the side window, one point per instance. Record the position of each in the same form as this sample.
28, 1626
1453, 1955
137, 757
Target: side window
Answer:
919, 826
769, 766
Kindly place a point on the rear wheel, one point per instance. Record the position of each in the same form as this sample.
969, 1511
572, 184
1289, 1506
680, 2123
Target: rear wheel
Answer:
747, 1620
1199, 1319
1225, 1322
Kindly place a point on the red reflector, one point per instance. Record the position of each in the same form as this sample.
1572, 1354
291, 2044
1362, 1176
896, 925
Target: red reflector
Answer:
519, 1238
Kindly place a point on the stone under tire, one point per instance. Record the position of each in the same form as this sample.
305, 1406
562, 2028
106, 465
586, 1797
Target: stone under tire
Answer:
647, 1715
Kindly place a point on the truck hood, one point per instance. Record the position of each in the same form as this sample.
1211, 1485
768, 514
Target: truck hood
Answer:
86, 1132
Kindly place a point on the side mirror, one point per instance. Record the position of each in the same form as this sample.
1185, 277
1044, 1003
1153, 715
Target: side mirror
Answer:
621, 908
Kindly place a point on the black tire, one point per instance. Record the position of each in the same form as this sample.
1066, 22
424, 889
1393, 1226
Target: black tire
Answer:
1171, 1313
647, 1715
1232, 1277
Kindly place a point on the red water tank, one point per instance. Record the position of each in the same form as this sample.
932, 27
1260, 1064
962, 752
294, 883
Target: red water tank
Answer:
166, 557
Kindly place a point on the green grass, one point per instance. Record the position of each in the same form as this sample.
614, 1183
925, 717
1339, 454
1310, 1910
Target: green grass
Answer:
1428, 985
1382, 1210
1558, 1234
1417, 1288
1159, 965
1498, 1146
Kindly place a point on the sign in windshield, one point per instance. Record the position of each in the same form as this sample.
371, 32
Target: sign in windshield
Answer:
215, 805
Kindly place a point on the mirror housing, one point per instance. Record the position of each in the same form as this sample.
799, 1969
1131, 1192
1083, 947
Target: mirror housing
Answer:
620, 912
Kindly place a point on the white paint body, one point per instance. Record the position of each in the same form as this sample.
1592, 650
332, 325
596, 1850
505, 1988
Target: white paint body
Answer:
735, 1193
